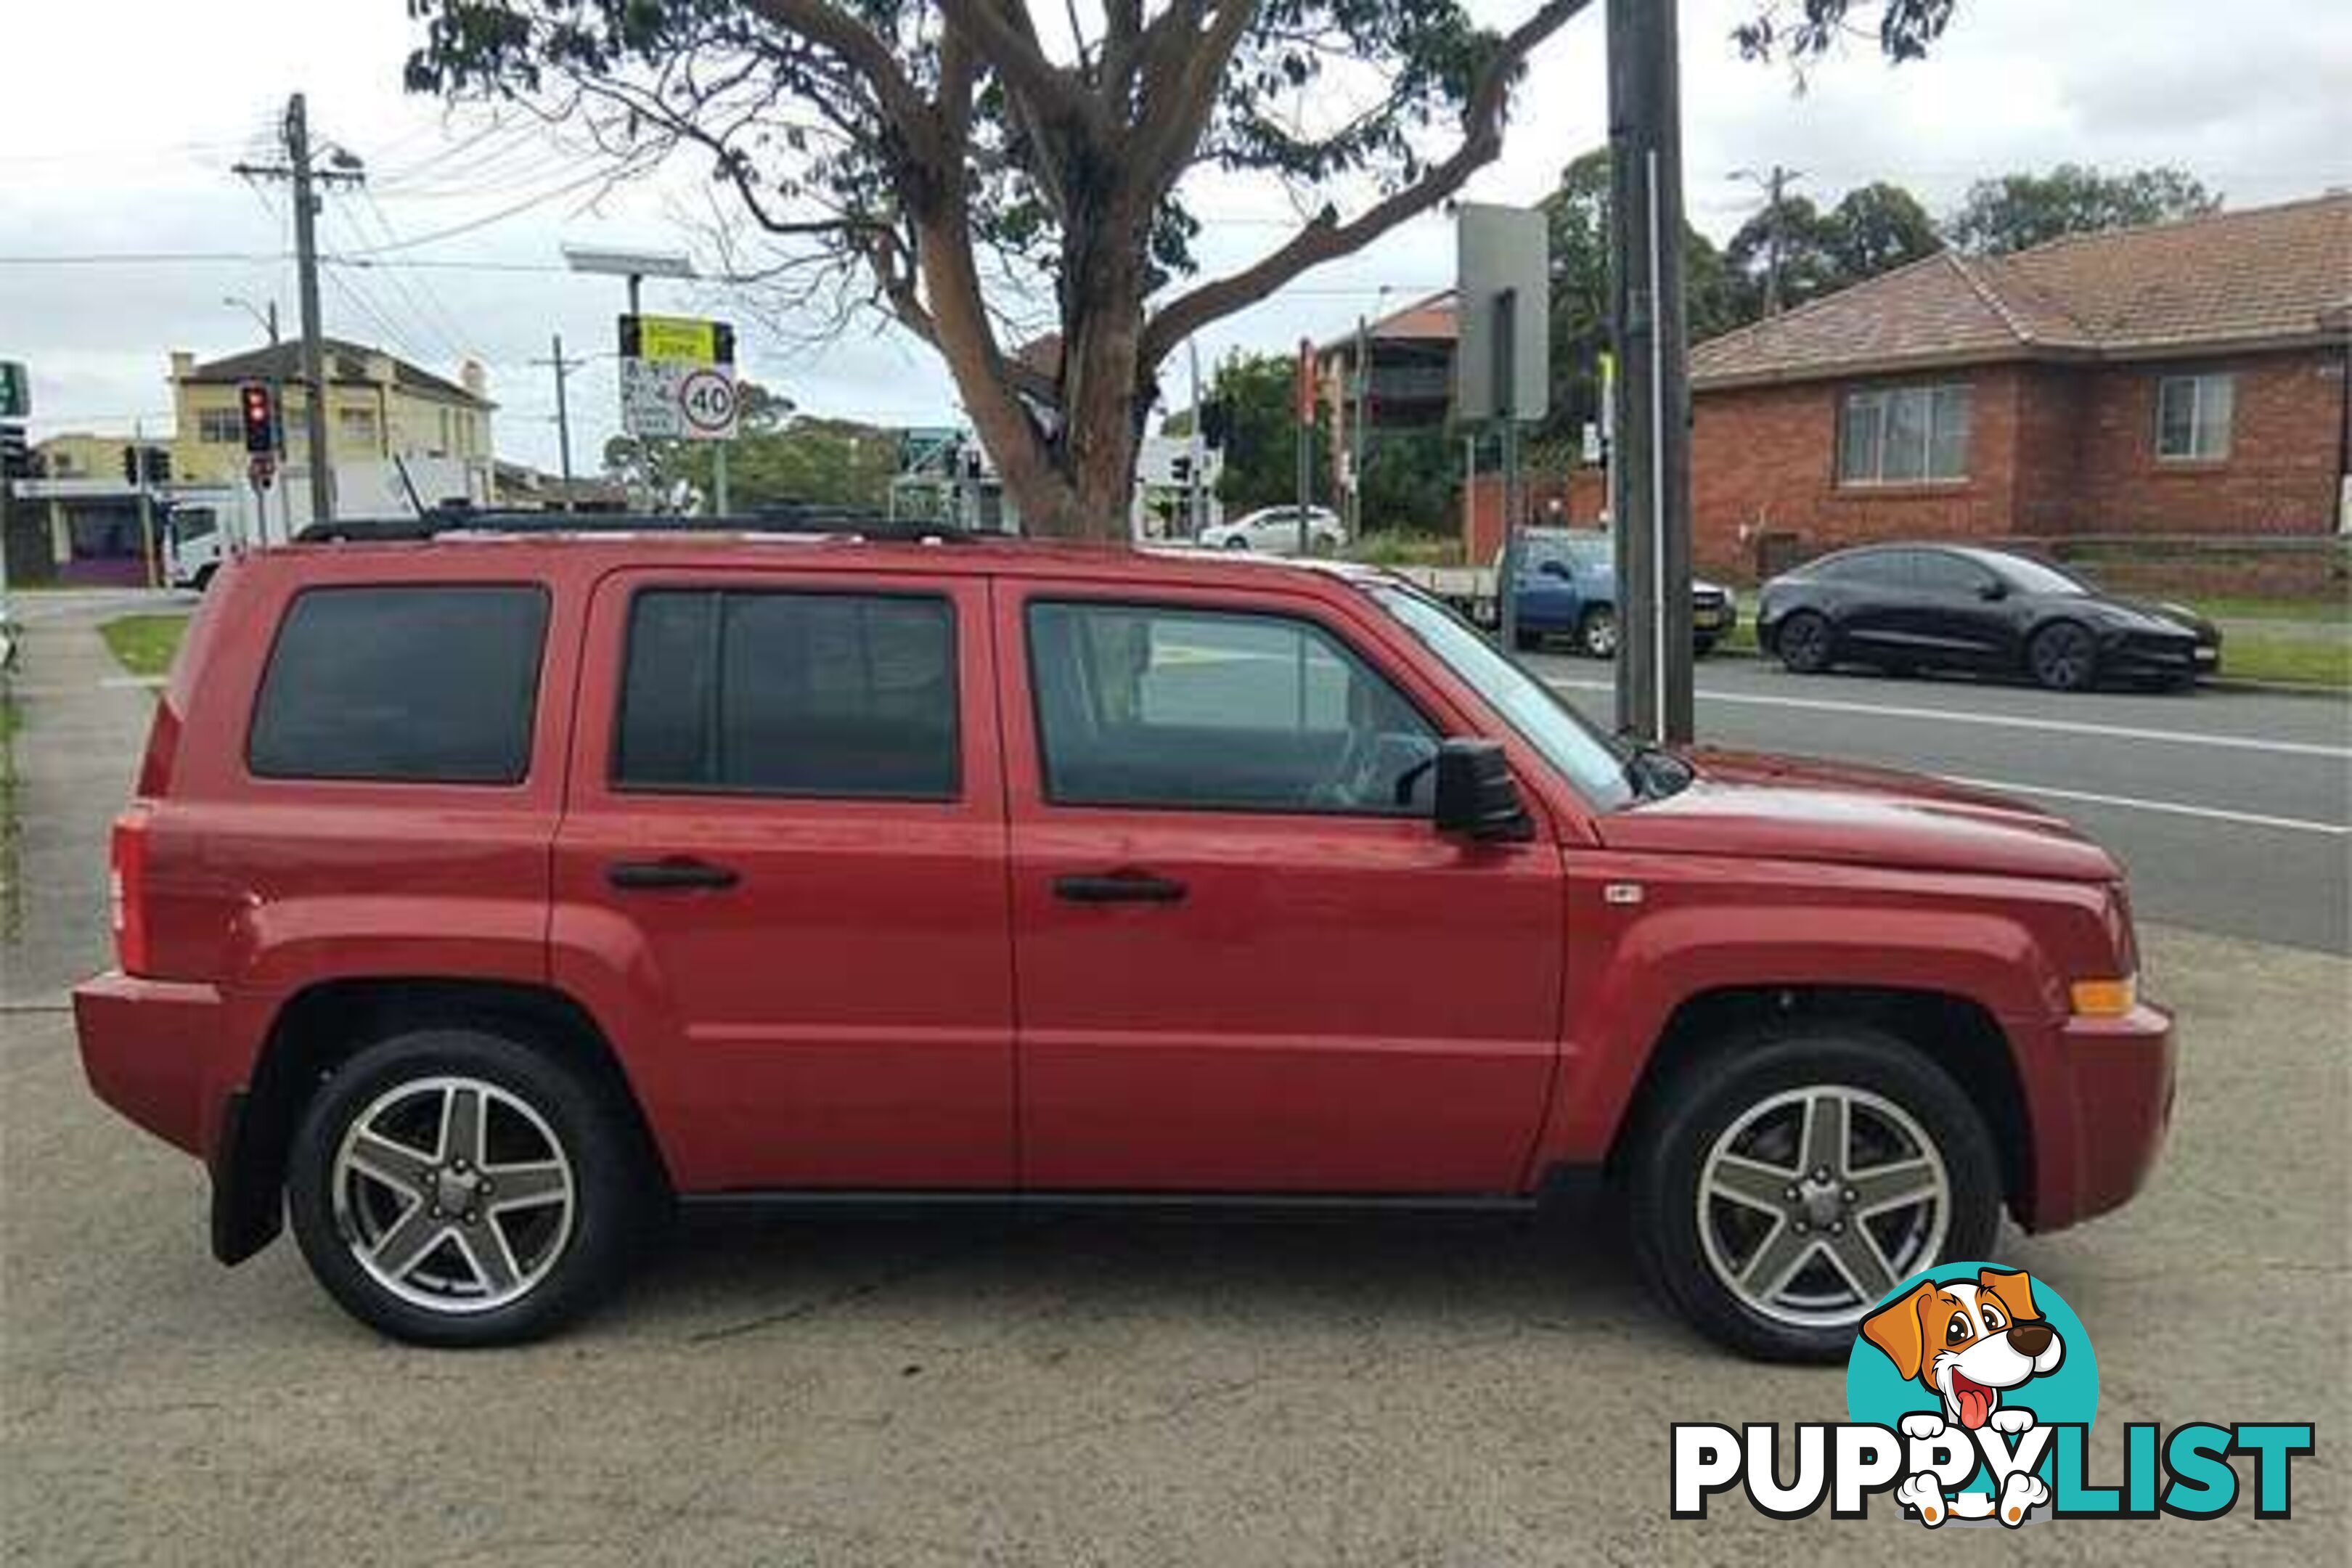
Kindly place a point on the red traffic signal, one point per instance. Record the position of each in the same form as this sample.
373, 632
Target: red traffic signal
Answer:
260, 417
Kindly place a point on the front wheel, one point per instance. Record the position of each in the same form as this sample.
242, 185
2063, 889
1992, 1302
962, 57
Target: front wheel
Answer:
1780, 1193
456, 1187
1237, 541
1803, 643
2063, 656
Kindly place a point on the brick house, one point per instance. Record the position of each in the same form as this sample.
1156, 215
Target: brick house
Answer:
2187, 379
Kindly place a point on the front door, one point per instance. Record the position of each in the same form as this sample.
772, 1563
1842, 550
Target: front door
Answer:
780, 879
1245, 962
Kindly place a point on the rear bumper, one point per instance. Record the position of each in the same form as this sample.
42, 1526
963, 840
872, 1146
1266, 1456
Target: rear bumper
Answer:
145, 1048
2103, 1105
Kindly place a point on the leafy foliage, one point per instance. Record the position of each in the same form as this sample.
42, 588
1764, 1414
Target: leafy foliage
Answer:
2017, 211
1261, 452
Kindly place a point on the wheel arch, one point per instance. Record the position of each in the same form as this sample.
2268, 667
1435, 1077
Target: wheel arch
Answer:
324, 1025
1956, 1033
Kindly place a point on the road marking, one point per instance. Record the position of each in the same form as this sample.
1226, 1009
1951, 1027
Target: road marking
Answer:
2172, 807
2002, 722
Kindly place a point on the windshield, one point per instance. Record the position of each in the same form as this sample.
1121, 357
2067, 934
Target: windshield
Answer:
2030, 576
1545, 722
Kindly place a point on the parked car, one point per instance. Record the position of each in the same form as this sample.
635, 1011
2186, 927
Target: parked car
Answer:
481, 898
1567, 588
1273, 531
1905, 607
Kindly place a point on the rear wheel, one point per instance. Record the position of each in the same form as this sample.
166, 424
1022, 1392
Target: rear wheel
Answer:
1786, 1186
1803, 643
1237, 541
2063, 656
1596, 633
457, 1187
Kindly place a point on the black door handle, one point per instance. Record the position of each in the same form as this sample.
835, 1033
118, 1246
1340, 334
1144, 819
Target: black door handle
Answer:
671, 872
1118, 887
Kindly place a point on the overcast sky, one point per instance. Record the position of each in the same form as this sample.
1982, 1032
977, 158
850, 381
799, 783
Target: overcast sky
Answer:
124, 117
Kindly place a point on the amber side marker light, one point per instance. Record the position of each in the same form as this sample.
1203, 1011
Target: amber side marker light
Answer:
2104, 998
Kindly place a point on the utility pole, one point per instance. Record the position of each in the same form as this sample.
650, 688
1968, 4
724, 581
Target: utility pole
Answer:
1774, 184
304, 178
564, 369
1195, 450
1650, 499
1363, 405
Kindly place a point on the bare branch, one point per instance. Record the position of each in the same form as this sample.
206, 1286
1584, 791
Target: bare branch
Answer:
1482, 139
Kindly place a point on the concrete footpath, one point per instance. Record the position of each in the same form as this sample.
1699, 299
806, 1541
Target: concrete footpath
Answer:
81, 723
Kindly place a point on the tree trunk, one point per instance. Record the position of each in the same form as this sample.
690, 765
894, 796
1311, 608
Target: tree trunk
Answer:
1102, 334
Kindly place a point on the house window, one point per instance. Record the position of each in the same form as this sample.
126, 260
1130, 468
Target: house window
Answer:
220, 427
2192, 417
355, 428
1903, 436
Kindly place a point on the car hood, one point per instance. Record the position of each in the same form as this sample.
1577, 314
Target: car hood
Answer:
1793, 809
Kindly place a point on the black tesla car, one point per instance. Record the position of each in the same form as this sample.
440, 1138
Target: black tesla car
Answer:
1903, 607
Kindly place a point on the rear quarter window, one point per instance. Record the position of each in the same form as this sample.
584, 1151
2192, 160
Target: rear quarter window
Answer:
406, 684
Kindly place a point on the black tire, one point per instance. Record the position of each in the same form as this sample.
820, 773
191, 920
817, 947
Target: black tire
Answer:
1709, 1098
1237, 541
1596, 632
1804, 642
2063, 656
1702, 646
610, 1192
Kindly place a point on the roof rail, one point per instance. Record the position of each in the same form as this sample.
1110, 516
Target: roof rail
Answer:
802, 518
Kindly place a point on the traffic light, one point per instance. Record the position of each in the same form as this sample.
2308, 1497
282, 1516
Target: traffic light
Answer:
159, 464
130, 466
1179, 469
1213, 422
15, 458
260, 418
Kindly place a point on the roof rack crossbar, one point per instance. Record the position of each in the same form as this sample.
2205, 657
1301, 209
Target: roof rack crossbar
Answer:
795, 518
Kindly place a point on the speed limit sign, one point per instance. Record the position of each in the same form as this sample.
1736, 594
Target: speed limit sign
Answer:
707, 398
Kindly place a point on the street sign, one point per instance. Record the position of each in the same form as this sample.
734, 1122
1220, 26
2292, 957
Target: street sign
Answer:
677, 378
685, 339
15, 390
1504, 287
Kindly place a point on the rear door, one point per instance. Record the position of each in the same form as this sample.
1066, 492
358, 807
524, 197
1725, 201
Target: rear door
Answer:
780, 876
1246, 961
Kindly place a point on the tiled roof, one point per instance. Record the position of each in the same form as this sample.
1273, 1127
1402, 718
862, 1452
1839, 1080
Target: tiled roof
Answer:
2265, 276
345, 361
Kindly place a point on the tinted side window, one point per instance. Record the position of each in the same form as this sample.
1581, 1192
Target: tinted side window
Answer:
1168, 707
1940, 574
790, 693
1881, 568
410, 684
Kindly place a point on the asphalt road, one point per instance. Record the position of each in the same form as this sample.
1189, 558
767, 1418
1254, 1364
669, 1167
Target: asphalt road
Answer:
2231, 811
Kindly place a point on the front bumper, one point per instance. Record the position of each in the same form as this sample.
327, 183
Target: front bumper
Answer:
2101, 1105
2146, 656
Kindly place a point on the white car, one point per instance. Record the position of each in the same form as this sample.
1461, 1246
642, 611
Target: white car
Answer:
1273, 531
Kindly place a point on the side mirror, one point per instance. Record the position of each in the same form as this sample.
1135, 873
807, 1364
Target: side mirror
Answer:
1992, 589
1477, 797
1554, 568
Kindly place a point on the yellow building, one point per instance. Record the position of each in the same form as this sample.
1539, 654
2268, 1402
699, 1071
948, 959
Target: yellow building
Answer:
76, 456
378, 407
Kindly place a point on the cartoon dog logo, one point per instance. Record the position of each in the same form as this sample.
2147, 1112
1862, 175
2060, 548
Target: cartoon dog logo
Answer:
1968, 1344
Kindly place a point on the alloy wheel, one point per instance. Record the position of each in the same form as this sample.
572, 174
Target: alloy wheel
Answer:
1601, 634
1816, 1201
2063, 656
453, 1195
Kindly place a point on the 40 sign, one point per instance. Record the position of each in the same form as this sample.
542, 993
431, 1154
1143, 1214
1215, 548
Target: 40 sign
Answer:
670, 400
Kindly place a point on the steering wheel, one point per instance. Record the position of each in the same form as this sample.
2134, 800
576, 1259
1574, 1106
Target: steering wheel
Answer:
1368, 768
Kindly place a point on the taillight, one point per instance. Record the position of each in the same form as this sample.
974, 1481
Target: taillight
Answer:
127, 890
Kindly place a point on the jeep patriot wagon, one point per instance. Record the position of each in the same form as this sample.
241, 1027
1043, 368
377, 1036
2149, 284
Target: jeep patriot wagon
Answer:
482, 896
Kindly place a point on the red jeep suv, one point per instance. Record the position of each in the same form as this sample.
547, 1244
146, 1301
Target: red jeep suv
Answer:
485, 895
